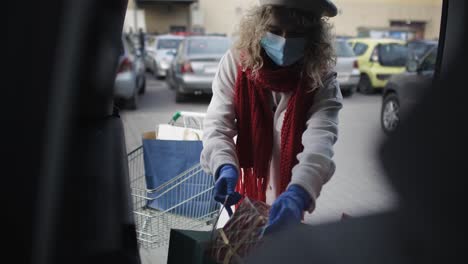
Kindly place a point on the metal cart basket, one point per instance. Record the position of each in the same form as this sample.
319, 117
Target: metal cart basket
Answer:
152, 225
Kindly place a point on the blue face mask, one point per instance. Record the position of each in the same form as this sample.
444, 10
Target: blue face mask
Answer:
283, 51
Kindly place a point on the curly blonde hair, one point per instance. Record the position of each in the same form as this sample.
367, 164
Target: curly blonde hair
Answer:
319, 57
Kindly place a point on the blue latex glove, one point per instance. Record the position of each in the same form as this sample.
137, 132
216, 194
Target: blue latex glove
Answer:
288, 209
225, 186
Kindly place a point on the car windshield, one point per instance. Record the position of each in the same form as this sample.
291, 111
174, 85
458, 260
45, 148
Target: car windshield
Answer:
393, 55
207, 46
168, 43
343, 49
430, 61
418, 50
360, 48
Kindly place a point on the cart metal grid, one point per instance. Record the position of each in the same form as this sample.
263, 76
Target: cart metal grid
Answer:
153, 226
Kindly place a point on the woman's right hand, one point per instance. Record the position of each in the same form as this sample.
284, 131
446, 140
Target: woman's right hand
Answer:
225, 186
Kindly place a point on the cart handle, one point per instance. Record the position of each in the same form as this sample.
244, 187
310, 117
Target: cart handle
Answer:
179, 114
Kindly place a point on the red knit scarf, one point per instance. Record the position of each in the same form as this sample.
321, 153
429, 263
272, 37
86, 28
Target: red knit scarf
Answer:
255, 125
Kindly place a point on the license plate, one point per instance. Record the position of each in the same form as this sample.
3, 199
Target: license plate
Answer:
343, 78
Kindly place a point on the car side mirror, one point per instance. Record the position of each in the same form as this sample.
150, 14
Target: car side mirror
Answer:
412, 66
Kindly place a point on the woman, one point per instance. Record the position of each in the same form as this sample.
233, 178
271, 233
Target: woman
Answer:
277, 93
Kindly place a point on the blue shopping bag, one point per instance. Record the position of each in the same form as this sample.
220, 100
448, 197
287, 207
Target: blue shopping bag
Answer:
166, 159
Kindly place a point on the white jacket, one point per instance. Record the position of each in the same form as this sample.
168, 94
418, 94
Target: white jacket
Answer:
315, 165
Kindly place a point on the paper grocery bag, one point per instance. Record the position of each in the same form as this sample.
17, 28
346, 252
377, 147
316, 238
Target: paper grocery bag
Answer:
169, 132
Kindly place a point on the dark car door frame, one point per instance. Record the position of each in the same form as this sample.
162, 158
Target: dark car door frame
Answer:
68, 144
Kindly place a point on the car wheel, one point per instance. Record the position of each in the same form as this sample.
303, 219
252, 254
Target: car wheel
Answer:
155, 70
390, 114
169, 81
143, 86
349, 92
365, 85
169, 84
132, 103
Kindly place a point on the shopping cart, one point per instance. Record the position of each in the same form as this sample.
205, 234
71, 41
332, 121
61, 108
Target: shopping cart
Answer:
153, 225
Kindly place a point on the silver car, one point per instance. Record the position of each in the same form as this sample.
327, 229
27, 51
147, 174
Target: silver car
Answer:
195, 65
346, 67
160, 53
130, 81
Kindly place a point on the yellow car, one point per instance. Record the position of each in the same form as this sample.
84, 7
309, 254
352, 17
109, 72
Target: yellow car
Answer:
378, 60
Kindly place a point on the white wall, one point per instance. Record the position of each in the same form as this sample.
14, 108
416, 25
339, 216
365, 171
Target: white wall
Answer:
134, 20
222, 16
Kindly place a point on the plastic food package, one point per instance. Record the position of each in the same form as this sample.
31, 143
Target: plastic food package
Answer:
242, 233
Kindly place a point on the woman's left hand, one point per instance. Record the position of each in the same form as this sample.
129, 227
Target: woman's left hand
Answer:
288, 209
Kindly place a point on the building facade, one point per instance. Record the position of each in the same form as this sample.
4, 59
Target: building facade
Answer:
418, 18
422, 17
159, 16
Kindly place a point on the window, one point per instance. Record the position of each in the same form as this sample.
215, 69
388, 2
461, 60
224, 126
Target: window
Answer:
175, 29
393, 55
419, 49
413, 29
360, 48
204, 46
168, 43
429, 62
343, 49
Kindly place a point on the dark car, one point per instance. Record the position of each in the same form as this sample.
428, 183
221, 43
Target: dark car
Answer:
404, 90
418, 48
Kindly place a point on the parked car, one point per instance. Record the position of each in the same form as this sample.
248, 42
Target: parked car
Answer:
159, 56
419, 48
403, 91
130, 81
378, 60
150, 40
346, 67
195, 65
